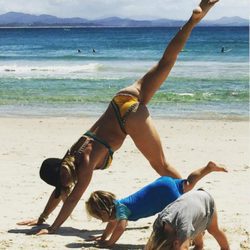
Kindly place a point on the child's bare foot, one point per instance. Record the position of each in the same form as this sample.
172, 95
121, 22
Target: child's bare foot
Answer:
202, 9
213, 167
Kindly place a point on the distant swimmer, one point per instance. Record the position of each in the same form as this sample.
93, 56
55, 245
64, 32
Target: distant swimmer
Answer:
79, 51
9, 70
93, 50
223, 50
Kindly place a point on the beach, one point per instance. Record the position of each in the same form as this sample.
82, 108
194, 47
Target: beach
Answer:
50, 95
188, 144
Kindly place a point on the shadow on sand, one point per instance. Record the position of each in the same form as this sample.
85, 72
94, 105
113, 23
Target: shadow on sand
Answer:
83, 234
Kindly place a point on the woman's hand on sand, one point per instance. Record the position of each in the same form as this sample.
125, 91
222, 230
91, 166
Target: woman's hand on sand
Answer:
43, 231
32, 222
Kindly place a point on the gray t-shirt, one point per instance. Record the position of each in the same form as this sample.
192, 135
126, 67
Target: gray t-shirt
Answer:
189, 215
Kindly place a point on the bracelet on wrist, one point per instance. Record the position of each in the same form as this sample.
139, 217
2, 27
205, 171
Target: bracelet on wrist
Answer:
43, 217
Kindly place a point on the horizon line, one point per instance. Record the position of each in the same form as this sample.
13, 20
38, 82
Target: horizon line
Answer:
130, 18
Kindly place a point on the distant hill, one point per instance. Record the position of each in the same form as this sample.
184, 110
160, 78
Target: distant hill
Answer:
21, 19
16, 19
230, 21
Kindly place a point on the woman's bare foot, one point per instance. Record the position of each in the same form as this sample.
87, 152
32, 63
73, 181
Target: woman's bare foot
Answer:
202, 9
213, 167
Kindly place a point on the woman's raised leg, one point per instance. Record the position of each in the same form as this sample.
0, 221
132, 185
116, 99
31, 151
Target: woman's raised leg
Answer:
141, 129
151, 81
139, 125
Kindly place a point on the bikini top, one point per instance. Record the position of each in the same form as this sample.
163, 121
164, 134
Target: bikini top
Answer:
109, 157
70, 159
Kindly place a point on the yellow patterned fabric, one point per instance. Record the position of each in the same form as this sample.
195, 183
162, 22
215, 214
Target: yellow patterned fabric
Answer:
123, 105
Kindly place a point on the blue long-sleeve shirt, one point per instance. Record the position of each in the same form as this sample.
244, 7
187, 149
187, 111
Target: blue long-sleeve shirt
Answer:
149, 200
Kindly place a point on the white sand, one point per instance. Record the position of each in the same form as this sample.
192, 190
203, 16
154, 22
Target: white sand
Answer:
188, 144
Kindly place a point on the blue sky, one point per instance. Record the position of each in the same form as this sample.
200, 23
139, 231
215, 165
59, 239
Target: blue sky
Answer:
136, 9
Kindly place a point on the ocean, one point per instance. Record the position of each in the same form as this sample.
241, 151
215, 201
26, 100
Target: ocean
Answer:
42, 73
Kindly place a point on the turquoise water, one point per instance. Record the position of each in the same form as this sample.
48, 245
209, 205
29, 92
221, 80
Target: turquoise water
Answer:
42, 73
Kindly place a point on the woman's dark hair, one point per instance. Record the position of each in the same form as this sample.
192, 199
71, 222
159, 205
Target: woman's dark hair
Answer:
50, 173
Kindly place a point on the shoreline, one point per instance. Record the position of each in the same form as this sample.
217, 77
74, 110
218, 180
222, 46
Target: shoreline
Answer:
232, 118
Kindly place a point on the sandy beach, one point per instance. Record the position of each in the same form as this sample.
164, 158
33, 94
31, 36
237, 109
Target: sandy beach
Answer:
188, 144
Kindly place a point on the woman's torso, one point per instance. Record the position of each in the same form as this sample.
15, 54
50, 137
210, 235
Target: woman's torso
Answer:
108, 129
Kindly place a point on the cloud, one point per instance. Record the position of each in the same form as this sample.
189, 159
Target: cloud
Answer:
139, 9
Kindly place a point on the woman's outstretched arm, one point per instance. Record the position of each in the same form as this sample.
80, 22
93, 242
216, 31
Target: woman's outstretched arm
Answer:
49, 208
84, 177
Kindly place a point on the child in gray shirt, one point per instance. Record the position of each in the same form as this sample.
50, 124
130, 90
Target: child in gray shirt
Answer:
184, 221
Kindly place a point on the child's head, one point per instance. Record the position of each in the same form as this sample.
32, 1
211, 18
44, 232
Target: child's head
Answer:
100, 205
158, 241
161, 238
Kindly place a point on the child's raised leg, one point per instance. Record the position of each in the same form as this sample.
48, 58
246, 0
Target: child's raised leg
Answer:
198, 174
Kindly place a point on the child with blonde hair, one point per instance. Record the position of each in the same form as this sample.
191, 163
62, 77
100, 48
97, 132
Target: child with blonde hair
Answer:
184, 221
146, 202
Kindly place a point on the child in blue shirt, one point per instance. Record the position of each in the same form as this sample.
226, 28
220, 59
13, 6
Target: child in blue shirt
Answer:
146, 202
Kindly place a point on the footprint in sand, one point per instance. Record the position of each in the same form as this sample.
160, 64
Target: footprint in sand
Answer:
244, 169
6, 244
